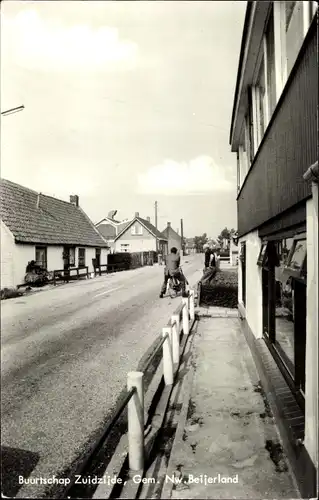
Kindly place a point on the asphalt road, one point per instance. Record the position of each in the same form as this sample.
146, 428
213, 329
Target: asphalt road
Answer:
65, 355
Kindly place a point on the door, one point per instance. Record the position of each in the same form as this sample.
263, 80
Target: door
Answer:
98, 257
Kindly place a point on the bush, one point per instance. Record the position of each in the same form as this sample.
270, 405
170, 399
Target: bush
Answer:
221, 291
132, 260
224, 253
10, 293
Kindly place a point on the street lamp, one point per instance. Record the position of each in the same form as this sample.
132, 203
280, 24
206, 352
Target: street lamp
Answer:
12, 110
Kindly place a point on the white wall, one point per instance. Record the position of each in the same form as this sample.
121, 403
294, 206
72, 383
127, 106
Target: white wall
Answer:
311, 396
7, 252
23, 253
54, 258
136, 245
104, 254
253, 309
233, 253
89, 255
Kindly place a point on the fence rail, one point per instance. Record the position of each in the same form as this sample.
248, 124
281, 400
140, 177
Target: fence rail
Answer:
106, 268
169, 341
66, 274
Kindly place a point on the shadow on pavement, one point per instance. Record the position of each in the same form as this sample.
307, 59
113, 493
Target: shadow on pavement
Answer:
15, 463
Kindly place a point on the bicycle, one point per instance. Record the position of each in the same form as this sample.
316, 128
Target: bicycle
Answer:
173, 287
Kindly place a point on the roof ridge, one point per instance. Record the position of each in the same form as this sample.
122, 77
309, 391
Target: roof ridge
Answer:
91, 223
34, 191
19, 185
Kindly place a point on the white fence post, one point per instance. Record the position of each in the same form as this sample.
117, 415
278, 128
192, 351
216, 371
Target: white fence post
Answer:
136, 421
175, 338
168, 368
192, 304
185, 316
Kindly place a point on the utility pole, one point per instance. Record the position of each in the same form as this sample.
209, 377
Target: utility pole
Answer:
156, 214
182, 236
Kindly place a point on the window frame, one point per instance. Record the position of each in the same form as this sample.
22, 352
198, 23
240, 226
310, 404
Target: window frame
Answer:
45, 249
81, 257
270, 85
302, 271
72, 256
262, 257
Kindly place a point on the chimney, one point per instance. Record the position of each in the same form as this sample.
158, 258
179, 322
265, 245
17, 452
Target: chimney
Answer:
148, 219
168, 224
38, 200
74, 199
137, 214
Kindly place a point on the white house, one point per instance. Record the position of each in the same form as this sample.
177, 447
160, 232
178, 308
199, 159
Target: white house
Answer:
140, 235
110, 227
173, 238
52, 232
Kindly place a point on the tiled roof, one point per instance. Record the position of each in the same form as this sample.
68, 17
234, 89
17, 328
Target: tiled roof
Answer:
55, 222
122, 225
107, 231
149, 226
168, 230
152, 228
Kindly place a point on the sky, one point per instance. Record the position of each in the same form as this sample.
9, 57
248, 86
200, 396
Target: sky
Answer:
126, 103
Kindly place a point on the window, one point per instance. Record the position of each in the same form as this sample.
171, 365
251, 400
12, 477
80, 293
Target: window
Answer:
260, 102
124, 247
294, 31
98, 256
242, 257
250, 126
284, 308
270, 63
72, 256
262, 255
297, 256
238, 173
41, 256
81, 257
137, 229
248, 142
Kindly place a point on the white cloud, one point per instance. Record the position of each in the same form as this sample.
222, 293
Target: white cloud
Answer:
200, 175
39, 44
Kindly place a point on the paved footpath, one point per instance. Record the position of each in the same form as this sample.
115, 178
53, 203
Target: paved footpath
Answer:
65, 354
230, 431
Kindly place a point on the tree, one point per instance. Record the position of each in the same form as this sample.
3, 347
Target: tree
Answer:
226, 234
199, 242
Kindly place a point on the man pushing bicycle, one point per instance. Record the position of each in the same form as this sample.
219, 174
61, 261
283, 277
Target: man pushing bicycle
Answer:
173, 269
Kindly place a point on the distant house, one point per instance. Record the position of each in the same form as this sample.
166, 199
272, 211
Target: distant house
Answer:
173, 238
190, 247
52, 232
110, 227
140, 235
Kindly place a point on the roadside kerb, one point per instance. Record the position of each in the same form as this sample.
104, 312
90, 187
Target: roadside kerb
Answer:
138, 445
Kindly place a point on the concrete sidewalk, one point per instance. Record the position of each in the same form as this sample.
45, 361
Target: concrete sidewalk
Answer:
229, 447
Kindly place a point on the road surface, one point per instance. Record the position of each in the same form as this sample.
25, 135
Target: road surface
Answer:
65, 356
